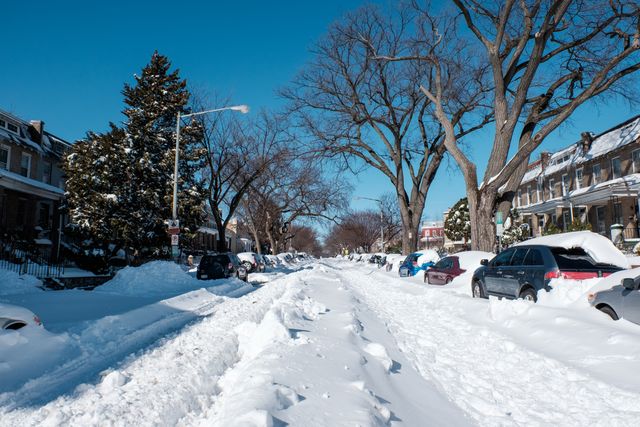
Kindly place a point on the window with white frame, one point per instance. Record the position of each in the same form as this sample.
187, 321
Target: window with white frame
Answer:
25, 165
552, 188
539, 191
519, 197
616, 167
566, 184
596, 173
5, 156
578, 178
635, 159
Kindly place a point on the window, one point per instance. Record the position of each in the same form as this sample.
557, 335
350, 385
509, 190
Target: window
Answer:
596, 173
518, 257
616, 167
519, 197
46, 172
13, 128
635, 159
534, 257
552, 188
503, 258
539, 191
566, 184
579, 178
4, 157
566, 220
25, 165
44, 216
529, 198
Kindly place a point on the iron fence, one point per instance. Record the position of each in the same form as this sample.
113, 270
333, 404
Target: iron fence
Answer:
23, 257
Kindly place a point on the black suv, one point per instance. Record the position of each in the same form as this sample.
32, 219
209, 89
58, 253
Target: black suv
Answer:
521, 271
220, 266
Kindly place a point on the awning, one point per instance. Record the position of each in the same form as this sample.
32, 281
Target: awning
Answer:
16, 182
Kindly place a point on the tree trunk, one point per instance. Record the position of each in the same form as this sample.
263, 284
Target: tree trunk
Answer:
410, 227
481, 204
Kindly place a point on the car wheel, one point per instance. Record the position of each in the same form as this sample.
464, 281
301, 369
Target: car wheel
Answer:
426, 278
476, 289
247, 266
446, 282
529, 295
609, 311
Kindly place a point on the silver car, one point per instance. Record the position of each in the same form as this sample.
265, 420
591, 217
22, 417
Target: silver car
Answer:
621, 301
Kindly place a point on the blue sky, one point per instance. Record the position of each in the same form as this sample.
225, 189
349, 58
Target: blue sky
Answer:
66, 62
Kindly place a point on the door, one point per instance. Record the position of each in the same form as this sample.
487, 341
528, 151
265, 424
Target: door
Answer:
515, 275
493, 277
631, 305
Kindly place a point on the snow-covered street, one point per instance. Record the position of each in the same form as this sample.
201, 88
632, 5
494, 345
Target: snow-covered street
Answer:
340, 343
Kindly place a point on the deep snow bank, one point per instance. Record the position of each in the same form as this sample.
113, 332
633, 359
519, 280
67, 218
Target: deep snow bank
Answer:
11, 283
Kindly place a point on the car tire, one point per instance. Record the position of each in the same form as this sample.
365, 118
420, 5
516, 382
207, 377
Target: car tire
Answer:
446, 282
528, 295
476, 289
609, 311
426, 278
247, 265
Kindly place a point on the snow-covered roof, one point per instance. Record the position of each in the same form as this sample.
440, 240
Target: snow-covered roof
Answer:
608, 141
51, 144
22, 183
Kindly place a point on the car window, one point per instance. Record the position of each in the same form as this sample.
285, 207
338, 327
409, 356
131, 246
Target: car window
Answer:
442, 264
448, 263
574, 258
503, 258
534, 257
206, 261
519, 256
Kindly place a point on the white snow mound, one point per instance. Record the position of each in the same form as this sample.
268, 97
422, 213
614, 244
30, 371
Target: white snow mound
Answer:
11, 283
599, 247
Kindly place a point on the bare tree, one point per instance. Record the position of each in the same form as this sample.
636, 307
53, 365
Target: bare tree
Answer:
236, 154
304, 239
546, 58
358, 231
367, 112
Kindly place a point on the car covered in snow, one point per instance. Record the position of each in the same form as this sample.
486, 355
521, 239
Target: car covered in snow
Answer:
418, 261
444, 271
252, 261
524, 269
621, 301
13, 317
221, 266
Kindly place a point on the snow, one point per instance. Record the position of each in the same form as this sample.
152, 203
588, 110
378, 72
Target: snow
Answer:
598, 247
12, 283
428, 255
31, 182
332, 343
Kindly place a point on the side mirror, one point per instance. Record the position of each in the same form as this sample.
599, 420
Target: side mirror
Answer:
629, 283
484, 262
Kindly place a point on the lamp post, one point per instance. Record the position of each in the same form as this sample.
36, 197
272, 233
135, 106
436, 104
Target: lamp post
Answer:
242, 108
381, 219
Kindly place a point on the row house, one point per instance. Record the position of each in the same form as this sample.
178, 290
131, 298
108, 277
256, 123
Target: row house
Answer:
595, 180
31, 181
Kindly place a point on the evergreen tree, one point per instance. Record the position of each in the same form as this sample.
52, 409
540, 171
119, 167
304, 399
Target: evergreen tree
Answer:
121, 182
457, 225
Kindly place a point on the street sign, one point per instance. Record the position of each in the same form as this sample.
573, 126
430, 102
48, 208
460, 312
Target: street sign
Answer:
499, 230
499, 218
174, 231
172, 223
174, 239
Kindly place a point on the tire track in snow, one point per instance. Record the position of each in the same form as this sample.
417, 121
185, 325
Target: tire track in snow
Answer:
160, 385
495, 380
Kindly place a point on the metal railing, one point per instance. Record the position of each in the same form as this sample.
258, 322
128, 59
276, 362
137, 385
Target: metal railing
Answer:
24, 258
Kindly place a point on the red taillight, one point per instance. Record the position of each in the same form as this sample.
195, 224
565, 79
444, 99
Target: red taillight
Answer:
230, 266
555, 274
37, 320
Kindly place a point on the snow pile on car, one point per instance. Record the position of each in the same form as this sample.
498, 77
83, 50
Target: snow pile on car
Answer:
598, 247
428, 255
11, 283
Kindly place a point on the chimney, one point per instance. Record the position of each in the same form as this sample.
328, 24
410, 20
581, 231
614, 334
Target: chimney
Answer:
586, 139
37, 130
544, 159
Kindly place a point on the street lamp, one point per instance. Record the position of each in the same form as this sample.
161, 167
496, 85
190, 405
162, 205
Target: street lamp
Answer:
244, 109
381, 218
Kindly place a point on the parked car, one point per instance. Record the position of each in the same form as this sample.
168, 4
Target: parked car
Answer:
393, 260
523, 270
443, 271
621, 301
251, 261
13, 317
413, 263
221, 266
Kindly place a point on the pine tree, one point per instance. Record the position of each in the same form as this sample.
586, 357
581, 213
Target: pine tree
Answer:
457, 225
120, 184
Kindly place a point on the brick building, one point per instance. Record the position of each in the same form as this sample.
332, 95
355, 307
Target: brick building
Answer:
595, 180
31, 181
